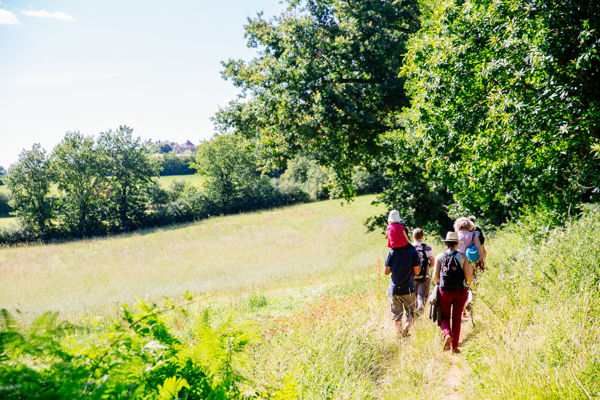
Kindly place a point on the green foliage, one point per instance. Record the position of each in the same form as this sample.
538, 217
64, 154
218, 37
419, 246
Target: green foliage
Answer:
136, 358
174, 164
256, 301
171, 388
538, 304
79, 168
505, 102
29, 184
230, 169
5, 208
324, 82
131, 172
309, 176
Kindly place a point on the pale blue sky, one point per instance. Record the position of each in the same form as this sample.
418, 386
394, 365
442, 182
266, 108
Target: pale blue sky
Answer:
92, 65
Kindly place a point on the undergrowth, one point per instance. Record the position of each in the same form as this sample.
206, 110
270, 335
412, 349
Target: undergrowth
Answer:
538, 305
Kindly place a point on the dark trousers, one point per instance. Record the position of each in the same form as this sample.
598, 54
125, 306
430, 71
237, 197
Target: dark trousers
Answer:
455, 301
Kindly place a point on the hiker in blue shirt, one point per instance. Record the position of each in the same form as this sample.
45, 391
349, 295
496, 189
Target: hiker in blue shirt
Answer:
402, 263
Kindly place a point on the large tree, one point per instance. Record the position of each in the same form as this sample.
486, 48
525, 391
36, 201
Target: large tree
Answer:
130, 174
230, 168
29, 181
506, 102
80, 170
325, 81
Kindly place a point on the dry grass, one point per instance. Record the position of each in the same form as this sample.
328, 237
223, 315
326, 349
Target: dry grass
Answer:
301, 245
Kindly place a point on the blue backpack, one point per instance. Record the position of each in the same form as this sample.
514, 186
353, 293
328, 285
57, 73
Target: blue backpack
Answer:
471, 252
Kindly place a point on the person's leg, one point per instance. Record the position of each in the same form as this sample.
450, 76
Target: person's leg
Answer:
422, 290
460, 298
409, 303
396, 309
445, 302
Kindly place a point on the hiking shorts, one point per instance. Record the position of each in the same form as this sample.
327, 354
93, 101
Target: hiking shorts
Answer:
405, 303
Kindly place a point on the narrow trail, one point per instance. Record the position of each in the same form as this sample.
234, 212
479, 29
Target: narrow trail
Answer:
453, 380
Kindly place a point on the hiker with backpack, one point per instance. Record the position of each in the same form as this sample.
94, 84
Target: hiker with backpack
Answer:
423, 278
402, 263
469, 244
452, 272
481, 239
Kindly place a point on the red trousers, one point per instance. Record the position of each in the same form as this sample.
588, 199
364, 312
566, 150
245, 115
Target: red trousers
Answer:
455, 301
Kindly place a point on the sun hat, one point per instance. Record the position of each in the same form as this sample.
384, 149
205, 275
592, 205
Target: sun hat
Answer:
452, 237
394, 216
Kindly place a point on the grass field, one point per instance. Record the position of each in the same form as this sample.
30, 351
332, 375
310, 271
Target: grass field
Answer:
308, 244
8, 221
195, 180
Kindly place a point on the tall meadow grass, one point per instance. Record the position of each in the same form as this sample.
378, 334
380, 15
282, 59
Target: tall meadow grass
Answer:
538, 306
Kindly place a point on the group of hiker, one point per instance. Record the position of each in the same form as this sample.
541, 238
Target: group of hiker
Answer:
453, 270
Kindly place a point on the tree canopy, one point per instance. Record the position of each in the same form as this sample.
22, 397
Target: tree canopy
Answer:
506, 102
325, 81
466, 106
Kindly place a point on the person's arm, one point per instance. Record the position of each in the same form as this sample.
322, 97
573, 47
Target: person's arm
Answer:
436, 270
406, 236
468, 270
484, 252
478, 245
416, 262
429, 255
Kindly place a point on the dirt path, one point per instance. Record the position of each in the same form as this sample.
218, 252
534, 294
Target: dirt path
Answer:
453, 380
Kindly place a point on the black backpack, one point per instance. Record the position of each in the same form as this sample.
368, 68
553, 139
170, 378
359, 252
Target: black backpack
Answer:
424, 261
452, 275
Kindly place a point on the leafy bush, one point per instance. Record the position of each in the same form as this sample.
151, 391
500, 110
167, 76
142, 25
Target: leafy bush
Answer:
13, 235
137, 357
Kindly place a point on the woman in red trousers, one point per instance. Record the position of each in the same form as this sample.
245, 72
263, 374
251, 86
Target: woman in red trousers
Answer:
452, 272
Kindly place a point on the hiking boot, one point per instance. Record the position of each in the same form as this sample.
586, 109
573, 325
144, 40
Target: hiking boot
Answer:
447, 340
456, 351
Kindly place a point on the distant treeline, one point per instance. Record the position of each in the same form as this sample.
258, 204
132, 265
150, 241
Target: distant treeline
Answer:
97, 186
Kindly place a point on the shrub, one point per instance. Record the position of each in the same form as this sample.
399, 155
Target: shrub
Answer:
137, 357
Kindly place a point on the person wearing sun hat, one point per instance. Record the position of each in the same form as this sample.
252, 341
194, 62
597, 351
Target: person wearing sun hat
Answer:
395, 232
452, 272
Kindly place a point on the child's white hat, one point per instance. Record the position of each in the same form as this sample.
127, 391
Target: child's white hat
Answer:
394, 216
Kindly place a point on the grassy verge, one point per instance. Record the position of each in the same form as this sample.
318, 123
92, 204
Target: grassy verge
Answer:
538, 306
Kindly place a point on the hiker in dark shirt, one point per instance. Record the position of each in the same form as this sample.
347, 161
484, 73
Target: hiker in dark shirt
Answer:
402, 263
